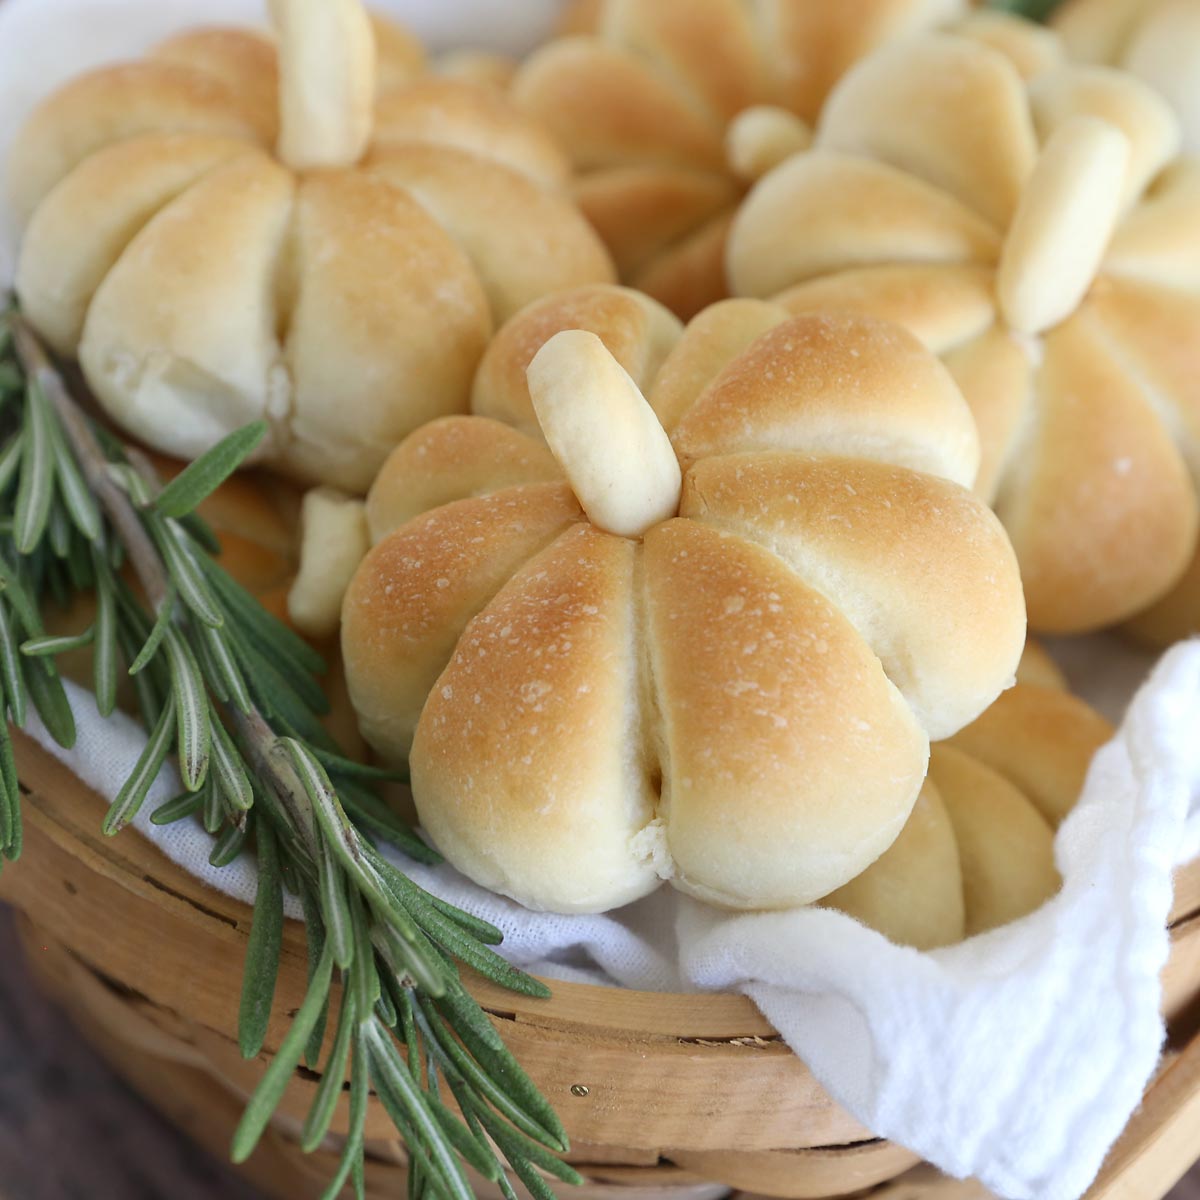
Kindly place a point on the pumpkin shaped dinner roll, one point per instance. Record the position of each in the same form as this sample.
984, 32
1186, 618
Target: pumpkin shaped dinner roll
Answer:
669, 108
1041, 236
978, 850
680, 604
304, 230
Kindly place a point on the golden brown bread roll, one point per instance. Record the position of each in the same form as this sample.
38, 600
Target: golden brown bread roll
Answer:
706, 632
1156, 40
225, 231
666, 133
1040, 238
978, 850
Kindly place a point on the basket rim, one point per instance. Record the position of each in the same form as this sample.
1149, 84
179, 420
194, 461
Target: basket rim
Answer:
138, 861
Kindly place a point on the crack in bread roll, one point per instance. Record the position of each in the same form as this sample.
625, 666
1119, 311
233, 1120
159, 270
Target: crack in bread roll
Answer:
1040, 236
666, 134
220, 238
740, 698
978, 850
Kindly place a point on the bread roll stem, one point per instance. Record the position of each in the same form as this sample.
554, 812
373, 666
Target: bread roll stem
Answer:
761, 137
1063, 224
326, 81
604, 434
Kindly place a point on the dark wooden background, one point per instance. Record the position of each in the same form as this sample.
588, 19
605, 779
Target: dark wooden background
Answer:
70, 1130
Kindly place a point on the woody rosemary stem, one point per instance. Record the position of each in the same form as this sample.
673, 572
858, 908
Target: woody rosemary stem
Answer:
143, 555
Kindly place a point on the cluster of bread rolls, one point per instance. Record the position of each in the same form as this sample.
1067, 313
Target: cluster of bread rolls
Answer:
238, 228
650, 583
706, 633
668, 108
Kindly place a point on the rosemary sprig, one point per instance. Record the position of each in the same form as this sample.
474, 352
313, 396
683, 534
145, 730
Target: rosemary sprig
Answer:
1033, 10
230, 692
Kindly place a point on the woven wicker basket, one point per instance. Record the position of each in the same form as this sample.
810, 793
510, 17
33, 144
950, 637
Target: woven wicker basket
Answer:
673, 1096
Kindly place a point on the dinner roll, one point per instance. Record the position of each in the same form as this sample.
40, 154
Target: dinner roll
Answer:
232, 229
729, 678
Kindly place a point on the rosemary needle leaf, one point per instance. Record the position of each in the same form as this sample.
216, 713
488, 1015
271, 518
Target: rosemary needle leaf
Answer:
477, 927
133, 793
178, 807
368, 809
58, 531
48, 647
80, 504
185, 571
8, 769
462, 945
1031, 10
364, 978
478, 1036
456, 1060
314, 936
229, 769
224, 675
275, 1080
212, 811
384, 1059
9, 811
475, 1151
316, 1126
229, 845
18, 597
146, 685
10, 668
192, 710
10, 847
260, 625
335, 908
197, 481
50, 700
385, 1008
264, 948
336, 764
200, 532
158, 631
404, 1089
104, 651
10, 460
280, 672
359, 1091
275, 696
35, 489
514, 1147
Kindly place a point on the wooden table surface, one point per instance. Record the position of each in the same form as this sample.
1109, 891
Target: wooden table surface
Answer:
71, 1130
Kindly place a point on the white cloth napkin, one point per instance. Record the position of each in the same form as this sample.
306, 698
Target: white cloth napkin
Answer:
1016, 1057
